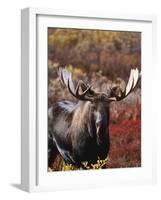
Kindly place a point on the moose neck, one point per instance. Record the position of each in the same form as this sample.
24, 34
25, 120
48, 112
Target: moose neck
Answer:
81, 114
85, 113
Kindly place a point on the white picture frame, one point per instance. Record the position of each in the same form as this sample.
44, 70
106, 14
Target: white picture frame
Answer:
34, 177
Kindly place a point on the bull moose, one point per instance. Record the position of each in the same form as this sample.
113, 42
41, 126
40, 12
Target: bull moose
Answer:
80, 131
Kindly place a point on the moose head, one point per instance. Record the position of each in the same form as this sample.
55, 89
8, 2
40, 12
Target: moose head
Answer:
80, 131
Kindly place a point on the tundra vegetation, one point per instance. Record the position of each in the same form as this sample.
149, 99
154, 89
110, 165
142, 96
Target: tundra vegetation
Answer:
103, 59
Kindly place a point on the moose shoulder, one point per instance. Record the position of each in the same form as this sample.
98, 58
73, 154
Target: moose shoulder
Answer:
79, 131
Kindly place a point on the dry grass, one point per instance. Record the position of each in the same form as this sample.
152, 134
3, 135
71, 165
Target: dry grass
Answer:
85, 165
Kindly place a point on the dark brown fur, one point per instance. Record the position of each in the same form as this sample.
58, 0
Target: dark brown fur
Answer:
73, 131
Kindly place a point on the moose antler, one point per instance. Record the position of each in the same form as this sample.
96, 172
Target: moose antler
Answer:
87, 94
66, 78
118, 94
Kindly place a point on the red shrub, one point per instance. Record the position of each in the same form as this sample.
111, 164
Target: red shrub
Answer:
125, 135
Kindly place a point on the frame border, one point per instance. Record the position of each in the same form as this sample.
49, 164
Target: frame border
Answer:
29, 84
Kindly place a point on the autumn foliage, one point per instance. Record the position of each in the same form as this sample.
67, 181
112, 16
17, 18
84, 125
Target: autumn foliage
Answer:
101, 58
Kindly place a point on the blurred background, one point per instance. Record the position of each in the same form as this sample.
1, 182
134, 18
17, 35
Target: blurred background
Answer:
101, 58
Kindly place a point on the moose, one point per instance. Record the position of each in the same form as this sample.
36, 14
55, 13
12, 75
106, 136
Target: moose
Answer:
80, 131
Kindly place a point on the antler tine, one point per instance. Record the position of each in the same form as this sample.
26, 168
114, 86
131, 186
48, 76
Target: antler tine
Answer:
133, 79
77, 89
64, 75
66, 79
71, 86
84, 93
132, 82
